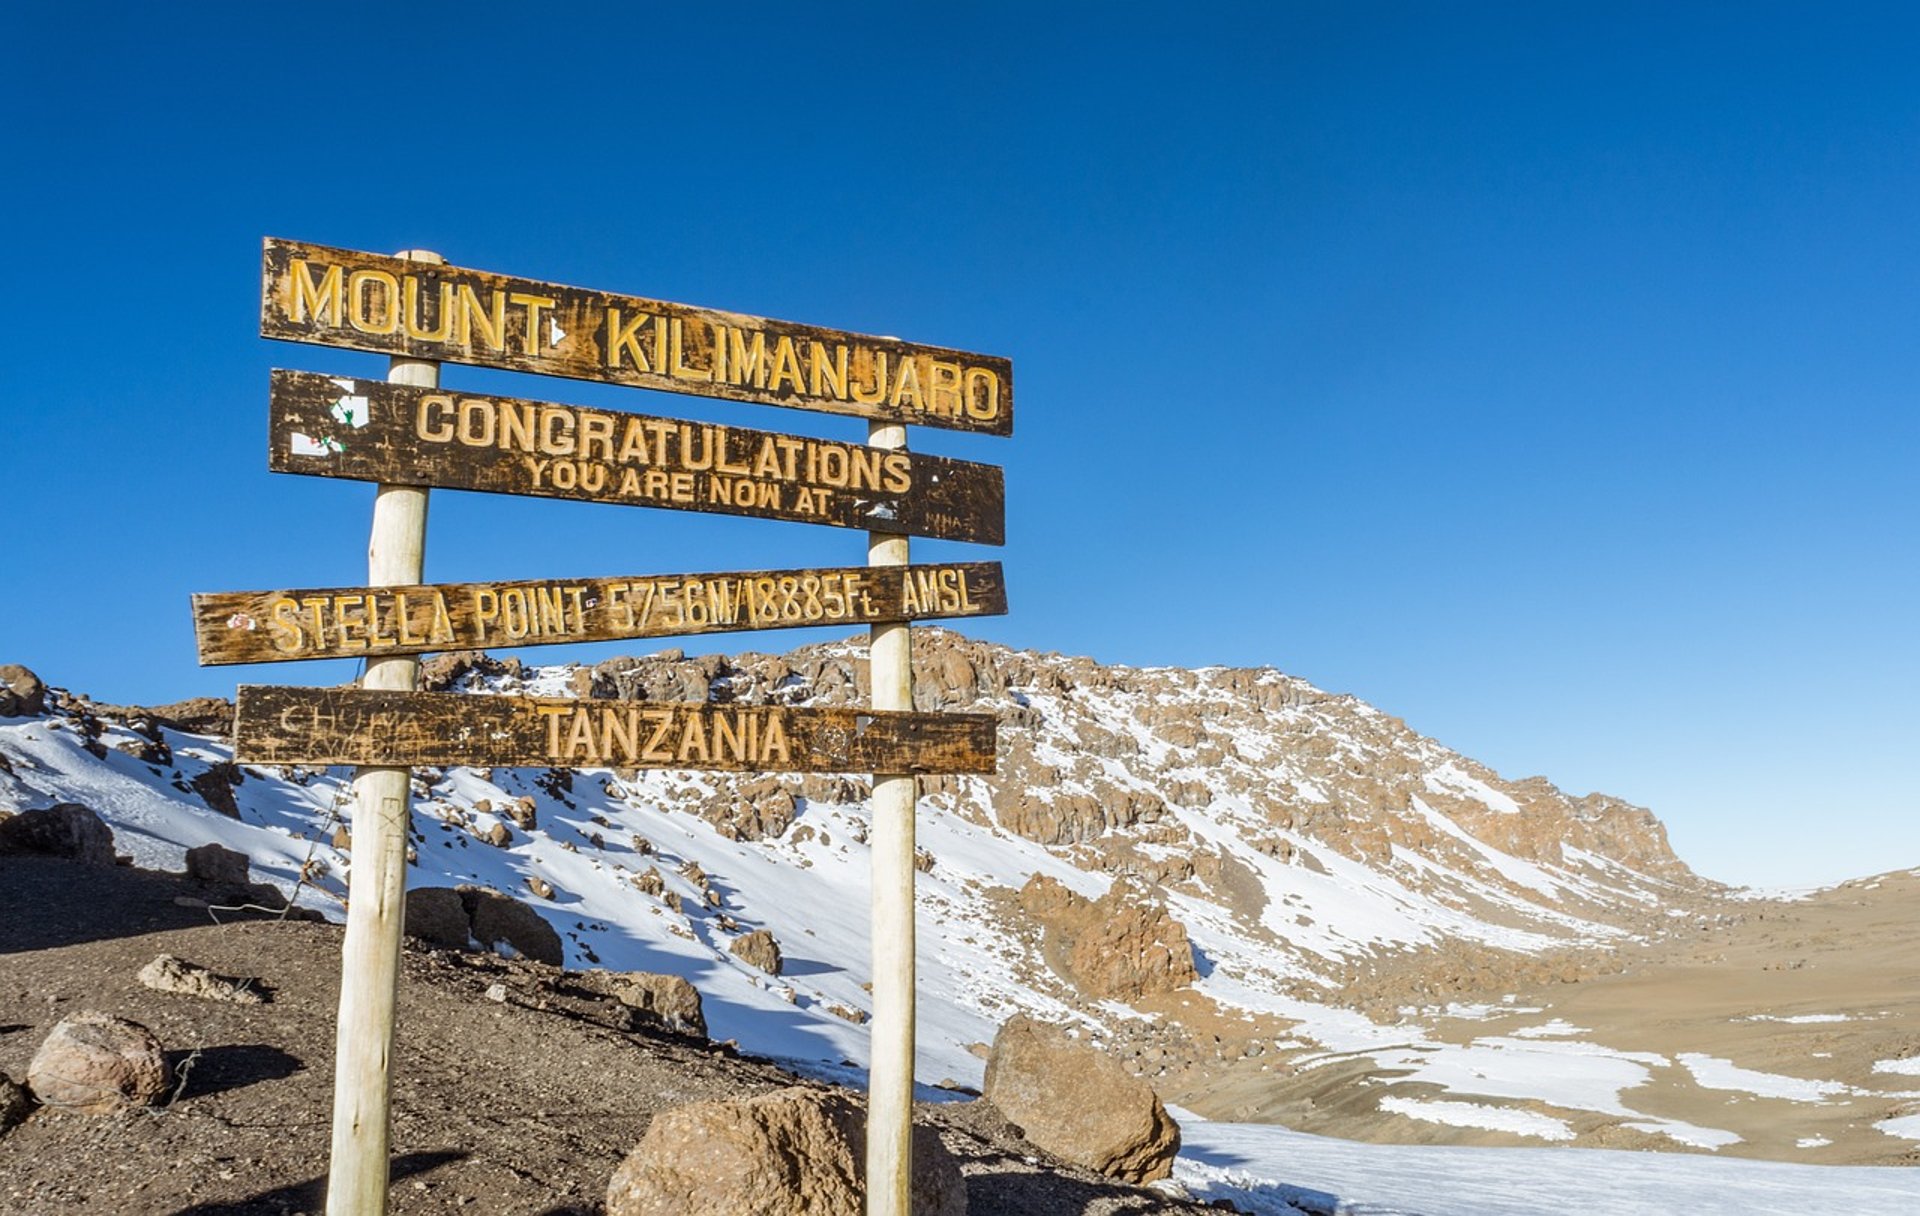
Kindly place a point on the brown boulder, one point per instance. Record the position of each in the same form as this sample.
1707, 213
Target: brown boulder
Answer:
66, 830
667, 999
196, 716
451, 918
502, 920
167, 973
1122, 946
758, 949
438, 917
15, 1103
444, 671
521, 811
1078, 1104
22, 695
94, 1064
215, 787
790, 1152
215, 865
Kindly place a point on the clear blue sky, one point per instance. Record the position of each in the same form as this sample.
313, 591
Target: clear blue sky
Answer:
1542, 374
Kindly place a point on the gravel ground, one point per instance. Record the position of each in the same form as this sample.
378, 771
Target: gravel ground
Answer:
522, 1106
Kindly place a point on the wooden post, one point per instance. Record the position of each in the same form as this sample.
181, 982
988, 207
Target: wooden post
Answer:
376, 907
890, 1072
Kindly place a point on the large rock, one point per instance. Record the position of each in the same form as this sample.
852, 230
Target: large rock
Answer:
67, 830
438, 917
21, 693
215, 787
758, 949
503, 920
456, 918
667, 999
95, 1063
791, 1152
1078, 1104
15, 1103
196, 716
167, 973
216, 865
1123, 946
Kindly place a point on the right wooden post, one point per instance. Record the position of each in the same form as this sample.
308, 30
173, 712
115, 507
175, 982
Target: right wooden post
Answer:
890, 1073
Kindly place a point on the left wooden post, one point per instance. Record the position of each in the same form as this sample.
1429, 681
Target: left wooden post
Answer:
377, 883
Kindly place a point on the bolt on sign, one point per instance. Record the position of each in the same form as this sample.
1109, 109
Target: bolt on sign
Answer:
369, 430
367, 301
364, 622
276, 725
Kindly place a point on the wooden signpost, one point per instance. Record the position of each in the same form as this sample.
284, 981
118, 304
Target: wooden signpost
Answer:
407, 434
356, 622
366, 301
356, 726
329, 426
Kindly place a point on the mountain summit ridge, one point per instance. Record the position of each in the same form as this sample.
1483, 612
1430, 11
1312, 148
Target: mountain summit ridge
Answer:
1266, 899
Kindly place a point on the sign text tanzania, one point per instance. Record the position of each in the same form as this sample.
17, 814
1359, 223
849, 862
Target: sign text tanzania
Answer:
399, 435
366, 301
275, 725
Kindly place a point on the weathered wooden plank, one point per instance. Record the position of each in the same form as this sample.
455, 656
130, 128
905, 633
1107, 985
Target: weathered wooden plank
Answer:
367, 301
364, 622
283, 725
367, 430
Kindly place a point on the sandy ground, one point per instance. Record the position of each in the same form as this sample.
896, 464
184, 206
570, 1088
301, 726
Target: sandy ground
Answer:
1720, 983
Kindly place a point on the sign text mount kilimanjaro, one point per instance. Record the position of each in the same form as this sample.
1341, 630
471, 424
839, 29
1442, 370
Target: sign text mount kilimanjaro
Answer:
366, 301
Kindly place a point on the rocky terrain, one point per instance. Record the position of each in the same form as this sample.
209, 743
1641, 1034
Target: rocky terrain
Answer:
1268, 901
521, 1087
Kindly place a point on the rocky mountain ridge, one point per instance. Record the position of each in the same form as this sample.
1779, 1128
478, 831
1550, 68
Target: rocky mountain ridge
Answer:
1265, 899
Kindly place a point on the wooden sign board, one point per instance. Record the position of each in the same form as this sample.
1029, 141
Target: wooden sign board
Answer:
274, 725
365, 622
395, 434
367, 301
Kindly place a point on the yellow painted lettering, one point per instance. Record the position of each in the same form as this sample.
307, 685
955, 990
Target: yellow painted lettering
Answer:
491, 318
321, 300
623, 340
430, 422
360, 310
827, 378
786, 366
411, 317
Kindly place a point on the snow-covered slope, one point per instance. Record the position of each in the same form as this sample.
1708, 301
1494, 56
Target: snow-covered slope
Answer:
1290, 832
1302, 884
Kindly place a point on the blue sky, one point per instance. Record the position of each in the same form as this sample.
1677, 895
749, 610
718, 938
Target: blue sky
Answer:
1542, 374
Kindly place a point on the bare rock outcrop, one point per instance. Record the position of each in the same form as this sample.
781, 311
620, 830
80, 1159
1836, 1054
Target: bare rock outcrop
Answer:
449, 670
795, 1150
760, 808
166, 973
65, 830
758, 949
1078, 1104
215, 865
195, 716
15, 1103
95, 1064
1123, 946
215, 787
22, 695
458, 918
667, 999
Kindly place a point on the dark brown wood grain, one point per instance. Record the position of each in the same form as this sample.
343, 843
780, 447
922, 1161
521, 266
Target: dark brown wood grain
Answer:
364, 622
369, 430
279, 725
368, 301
